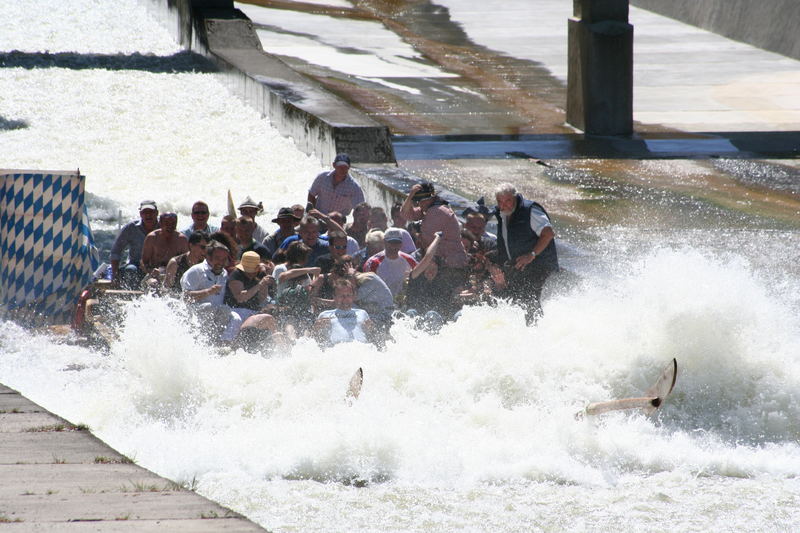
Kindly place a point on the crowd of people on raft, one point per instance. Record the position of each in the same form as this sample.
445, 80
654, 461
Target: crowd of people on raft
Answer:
338, 268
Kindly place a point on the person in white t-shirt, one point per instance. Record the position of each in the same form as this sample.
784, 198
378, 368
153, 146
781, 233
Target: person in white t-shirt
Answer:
345, 323
391, 265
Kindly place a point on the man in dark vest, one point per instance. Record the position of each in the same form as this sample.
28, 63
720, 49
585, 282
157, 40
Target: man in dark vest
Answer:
526, 248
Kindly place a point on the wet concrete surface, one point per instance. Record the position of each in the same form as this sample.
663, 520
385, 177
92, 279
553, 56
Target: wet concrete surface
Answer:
487, 114
674, 145
58, 477
478, 91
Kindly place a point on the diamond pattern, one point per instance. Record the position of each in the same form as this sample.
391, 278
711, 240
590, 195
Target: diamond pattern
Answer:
47, 253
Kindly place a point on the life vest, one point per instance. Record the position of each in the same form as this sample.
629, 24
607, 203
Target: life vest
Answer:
522, 239
79, 316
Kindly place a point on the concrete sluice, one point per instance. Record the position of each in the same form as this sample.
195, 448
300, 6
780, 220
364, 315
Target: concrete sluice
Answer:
469, 429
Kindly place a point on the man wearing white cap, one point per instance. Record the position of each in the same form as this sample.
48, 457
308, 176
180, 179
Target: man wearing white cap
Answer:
391, 265
335, 190
131, 236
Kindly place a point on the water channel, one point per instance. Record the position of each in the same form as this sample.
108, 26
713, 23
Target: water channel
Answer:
471, 429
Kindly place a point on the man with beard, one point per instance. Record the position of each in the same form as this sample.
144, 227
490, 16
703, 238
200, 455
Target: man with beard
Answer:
204, 288
526, 248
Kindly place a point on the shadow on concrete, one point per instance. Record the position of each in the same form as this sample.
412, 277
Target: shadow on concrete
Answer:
184, 61
11, 124
743, 145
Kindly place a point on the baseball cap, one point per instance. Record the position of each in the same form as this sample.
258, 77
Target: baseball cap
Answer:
148, 204
343, 159
393, 234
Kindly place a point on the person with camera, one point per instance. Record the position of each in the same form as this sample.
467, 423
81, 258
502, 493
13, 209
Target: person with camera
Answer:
247, 291
436, 216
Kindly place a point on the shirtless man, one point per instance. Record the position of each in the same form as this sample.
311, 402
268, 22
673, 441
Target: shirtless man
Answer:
163, 244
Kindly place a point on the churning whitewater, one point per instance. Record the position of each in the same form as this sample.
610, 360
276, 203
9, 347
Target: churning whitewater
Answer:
471, 429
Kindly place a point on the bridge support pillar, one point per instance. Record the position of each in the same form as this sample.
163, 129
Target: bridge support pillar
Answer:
600, 75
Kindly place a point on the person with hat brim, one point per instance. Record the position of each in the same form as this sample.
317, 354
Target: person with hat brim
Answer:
247, 291
286, 221
390, 264
335, 190
245, 228
249, 208
132, 236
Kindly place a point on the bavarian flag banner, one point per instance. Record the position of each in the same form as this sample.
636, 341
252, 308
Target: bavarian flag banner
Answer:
47, 253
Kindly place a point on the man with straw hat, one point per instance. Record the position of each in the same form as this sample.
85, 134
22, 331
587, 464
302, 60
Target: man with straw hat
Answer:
248, 286
248, 294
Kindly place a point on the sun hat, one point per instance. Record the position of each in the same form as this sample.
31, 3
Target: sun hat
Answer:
249, 262
285, 212
248, 202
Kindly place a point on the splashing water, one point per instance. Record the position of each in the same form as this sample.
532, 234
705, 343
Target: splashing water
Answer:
470, 429
464, 420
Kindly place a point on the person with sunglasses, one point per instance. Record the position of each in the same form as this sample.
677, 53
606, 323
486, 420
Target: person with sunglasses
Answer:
178, 265
200, 214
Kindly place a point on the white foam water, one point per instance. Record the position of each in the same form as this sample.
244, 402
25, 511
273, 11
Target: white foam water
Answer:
471, 429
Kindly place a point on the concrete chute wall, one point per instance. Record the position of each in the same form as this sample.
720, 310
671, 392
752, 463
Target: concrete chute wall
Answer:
319, 122
769, 24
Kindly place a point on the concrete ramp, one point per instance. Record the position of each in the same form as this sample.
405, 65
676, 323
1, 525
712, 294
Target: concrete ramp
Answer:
319, 122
